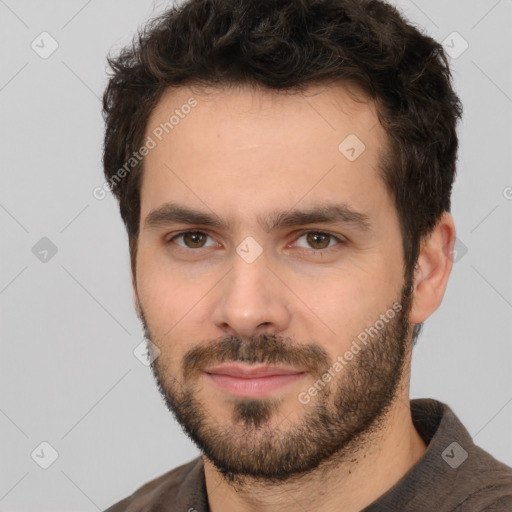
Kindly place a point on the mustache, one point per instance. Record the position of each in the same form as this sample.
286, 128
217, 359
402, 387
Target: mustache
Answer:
261, 348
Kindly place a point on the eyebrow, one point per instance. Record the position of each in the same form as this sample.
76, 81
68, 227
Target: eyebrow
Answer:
172, 213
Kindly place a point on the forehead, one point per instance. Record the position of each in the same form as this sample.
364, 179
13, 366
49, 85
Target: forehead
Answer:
241, 147
333, 106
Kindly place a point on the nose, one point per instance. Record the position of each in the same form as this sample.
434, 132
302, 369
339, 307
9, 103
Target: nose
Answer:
251, 300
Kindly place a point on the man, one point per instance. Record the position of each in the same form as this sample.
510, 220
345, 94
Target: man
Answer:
284, 171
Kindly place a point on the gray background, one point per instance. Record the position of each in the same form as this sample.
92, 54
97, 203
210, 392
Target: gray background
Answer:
68, 328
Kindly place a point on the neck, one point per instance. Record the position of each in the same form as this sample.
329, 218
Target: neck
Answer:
379, 461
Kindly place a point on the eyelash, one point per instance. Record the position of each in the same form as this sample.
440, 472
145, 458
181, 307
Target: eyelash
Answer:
300, 235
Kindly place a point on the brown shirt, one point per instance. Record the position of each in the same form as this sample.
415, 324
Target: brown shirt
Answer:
453, 475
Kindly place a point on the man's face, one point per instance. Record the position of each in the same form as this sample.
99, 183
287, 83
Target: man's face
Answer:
268, 283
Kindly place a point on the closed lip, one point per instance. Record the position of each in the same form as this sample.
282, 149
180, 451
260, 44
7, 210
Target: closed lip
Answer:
252, 372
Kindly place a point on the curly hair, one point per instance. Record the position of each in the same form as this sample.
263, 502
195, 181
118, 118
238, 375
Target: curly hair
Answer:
291, 45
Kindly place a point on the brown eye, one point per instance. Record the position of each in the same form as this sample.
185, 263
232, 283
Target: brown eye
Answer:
318, 240
191, 239
194, 239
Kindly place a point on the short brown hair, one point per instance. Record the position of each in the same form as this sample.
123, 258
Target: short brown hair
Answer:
290, 45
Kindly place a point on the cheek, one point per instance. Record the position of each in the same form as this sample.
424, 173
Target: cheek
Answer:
164, 301
173, 299
162, 294
167, 310
346, 306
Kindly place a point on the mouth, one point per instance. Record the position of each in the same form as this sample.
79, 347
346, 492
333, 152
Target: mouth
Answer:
252, 381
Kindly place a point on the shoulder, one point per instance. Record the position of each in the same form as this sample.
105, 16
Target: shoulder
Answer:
175, 486
454, 474
480, 503
492, 484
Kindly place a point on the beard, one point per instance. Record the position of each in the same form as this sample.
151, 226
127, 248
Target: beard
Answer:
333, 426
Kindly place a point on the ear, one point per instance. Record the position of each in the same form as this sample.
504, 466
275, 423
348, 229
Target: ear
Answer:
433, 269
